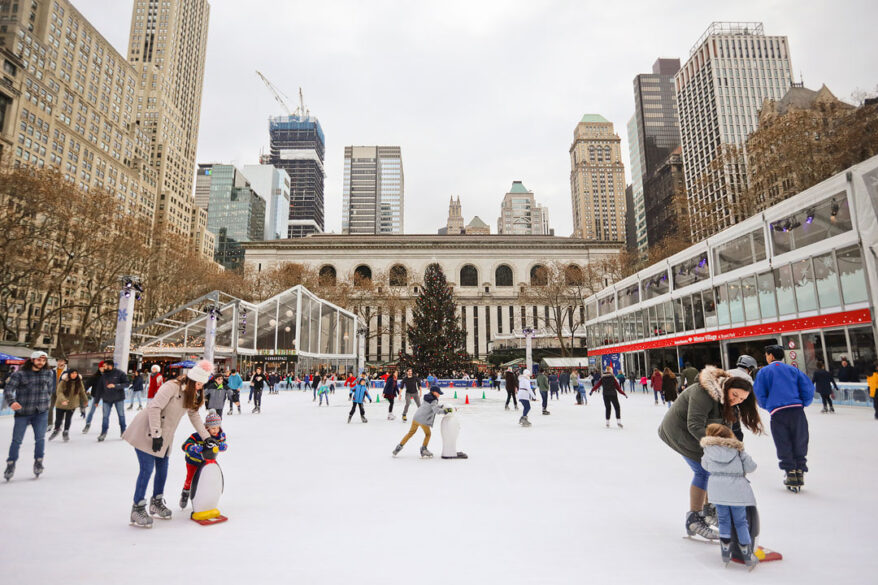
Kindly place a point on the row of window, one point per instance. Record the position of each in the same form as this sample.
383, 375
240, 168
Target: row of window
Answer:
469, 275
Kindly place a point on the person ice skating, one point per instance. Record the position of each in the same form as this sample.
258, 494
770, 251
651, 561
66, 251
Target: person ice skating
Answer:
543, 387
391, 391
423, 419
70, 394
151, 433
564, 381
669, 386
111, 387
656, 381
412, 385
257, 384
554, 385
91, 388
643, 382
610, 388
872, 381
525, 395
848, 372
194, 447
60, 370
323, 391
215, 394
511, 388
358, 393
823, 383
785, 391
711, 400
728, 489
155, 381
28, 392
136, 390
235, 383
688, 376
574, 383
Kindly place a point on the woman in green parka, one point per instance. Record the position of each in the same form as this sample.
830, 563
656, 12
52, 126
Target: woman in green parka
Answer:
719, 397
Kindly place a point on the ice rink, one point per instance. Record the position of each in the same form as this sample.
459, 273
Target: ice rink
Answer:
313, 500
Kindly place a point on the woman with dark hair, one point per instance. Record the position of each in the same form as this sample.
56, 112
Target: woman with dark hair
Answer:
151, 433
669, 386
823, 383
70, 394
712, 400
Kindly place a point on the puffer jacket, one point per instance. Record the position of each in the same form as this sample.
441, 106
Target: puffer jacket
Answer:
118, 379
699, 405
728, 465
525, 388
71, 393
780, 385
359, 392
215, 396
669, 387
427, 411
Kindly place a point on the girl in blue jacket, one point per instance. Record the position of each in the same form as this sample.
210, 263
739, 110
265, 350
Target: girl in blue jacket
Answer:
360, 391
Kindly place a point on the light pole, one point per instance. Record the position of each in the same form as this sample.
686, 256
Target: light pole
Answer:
361, 358
131, 291
528, 350
213, 315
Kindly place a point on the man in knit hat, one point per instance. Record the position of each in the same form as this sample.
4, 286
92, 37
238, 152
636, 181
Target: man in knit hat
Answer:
28, 392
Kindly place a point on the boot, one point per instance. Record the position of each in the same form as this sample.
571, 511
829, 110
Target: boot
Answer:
10, 470
66, 436
38, 467
85, 428
750, 559
101, 437
396, 450
184, 499
695, 524
726, 550
139, 517
157, 507
54, 434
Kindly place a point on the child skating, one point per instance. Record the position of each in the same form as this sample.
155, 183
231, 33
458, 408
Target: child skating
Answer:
358, 392
323, 392
423, 419
728, 489
193, 448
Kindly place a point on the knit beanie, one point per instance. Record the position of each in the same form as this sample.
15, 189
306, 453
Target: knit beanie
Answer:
212, 419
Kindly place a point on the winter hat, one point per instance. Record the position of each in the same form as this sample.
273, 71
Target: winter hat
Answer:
740, 373
212, 419
39, 354
200, 372
155, 368
435, 389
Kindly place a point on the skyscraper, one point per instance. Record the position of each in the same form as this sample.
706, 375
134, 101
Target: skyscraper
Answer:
374, 190
297, 145
273, 185
454, 224
236, 213
635, 213
167, 46
597, 181
521, 214
720, 89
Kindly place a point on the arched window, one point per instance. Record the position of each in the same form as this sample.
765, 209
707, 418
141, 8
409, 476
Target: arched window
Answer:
573, 275
539, 276
399, 276
362, 275
469, 276
327, 275
503, 276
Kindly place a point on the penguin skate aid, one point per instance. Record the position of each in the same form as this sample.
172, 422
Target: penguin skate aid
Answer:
200, 452
424, 418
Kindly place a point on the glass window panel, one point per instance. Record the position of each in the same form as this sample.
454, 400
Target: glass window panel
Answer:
224, 329
836, 348
305, 331
739, 252
853, 280
655, 285
826, 278
736, 302
286, 329
195, 334
266, 326
688, 316
767, 305
751, 298
590, 312
709, 308
811, 225
328, 329
653, 322
346, 330
691, 271
247, 329
806, 293
697, 311
722, 304
679, 325
783, 283
314, 327
629, 296
812, 349
862, 349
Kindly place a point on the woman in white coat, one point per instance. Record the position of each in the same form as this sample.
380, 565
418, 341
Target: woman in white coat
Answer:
525, 395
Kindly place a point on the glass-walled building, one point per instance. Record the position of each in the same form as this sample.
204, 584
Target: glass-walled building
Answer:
295, 331
235, 213
802, 274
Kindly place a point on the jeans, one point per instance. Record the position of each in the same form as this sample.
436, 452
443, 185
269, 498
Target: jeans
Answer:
657, 394
91, 411
354, 408
545, 396
120, 411
526, 405
322, 396
136, 394
148, 462
699, 480
40, 422
738, 514
63, 416
581, 390
408, 399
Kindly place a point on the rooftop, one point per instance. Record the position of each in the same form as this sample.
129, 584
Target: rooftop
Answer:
518, 187
594, 118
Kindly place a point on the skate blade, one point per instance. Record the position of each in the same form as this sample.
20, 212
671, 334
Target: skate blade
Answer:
701, 539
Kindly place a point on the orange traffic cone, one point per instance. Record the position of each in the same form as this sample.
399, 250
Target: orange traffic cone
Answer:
467, 399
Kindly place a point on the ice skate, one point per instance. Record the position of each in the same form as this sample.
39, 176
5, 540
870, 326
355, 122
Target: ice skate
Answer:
239, 409
695, 524
524, 422
184, 499
101, 437
158, 508
350, 416
139, 517
619, 423
363, 418
608, 423
791, 481
726, 551
131, 406
832, 409
66, 436
54, 434
824, 411
10, 470
38, 467
546, 412
404, 419
85, 428
139, 407
396, 450
800, 478
254, 410
507, 407
425, 453
708, 512
750, 559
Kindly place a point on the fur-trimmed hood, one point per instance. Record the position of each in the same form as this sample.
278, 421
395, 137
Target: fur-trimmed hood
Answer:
722, 442
712, 380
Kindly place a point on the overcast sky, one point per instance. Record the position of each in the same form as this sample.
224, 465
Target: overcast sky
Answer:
477, 94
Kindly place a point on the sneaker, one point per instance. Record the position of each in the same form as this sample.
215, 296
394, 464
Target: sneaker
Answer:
139, 517
101, 437
396, 450
184, 499
158, 508
695, 524
38, 466
10, 470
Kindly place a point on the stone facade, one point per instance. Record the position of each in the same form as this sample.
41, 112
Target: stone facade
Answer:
487, 273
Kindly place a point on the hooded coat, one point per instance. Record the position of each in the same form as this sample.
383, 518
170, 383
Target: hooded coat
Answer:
525, 389
728, 465
160, 418
699, 405
426, 413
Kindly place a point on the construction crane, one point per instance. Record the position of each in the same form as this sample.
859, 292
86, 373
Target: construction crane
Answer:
279, 97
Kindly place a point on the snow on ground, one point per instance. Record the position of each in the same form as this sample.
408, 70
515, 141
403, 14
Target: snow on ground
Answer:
314, 500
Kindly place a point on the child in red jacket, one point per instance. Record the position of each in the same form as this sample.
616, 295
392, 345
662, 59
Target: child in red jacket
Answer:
194, 446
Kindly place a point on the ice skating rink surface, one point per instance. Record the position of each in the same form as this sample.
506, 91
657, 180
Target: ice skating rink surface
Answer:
313, 500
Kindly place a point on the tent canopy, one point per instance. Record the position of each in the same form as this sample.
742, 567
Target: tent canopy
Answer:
568, 362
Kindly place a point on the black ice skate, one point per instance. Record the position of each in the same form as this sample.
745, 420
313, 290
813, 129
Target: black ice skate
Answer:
66, 436
139, 517
158, 508
350, 416
791, 481
396, 450
184, 499
546, 412
750, 559
800, 478
695, 524
85, 428
363, 418
425, 453
709, 514
54, 434
38, 467
726, 551
101, 437
10, 470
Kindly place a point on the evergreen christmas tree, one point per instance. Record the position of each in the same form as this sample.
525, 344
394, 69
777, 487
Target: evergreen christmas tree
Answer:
436, 340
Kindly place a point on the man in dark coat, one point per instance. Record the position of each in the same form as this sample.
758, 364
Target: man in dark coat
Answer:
111, 388
848, 372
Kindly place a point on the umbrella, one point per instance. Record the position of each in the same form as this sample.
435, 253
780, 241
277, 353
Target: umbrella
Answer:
184, 364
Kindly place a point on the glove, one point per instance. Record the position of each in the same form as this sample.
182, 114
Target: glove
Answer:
157, 444
449, 410
210, 443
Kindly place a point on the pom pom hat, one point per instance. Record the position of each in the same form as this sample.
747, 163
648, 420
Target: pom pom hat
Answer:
212, 419
200, 372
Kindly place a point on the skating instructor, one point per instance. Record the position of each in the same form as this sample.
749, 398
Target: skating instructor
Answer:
151, 433
711, 400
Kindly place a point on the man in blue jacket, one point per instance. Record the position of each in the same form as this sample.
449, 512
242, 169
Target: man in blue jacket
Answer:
784, 391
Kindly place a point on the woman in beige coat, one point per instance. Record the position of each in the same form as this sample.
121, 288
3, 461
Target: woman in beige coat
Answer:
151, 433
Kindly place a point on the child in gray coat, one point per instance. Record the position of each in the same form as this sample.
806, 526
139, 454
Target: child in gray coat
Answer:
728, 488
424, 418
